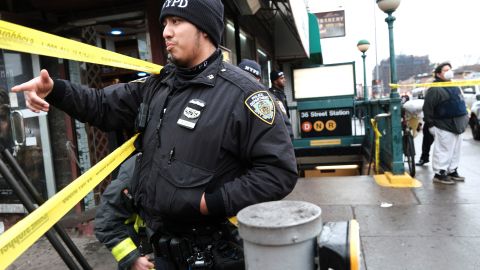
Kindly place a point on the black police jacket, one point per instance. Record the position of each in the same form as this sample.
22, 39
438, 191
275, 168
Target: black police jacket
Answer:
115, 218
280, 94
220, 134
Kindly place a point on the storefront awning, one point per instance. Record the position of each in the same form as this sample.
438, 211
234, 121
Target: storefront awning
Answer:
315, 46
302, 41
292, 32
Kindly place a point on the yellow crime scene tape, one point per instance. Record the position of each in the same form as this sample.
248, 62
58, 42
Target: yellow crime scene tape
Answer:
438, 84
22, 235
377, 135
19, 38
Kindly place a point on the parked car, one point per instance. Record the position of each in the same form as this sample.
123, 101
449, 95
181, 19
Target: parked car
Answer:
475, 118
470, 93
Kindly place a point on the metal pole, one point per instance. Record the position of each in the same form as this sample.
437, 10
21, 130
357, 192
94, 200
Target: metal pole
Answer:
395, 106
365, 89
33, 192
51, 236
393, 66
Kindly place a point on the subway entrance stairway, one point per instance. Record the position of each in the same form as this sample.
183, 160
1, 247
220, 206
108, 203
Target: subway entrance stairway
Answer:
430, 227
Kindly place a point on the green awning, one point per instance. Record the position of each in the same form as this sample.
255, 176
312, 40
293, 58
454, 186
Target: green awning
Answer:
315, 47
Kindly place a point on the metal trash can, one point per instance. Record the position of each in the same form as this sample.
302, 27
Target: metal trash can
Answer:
280, 235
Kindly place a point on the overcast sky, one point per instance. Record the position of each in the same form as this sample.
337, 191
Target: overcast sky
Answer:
444, 30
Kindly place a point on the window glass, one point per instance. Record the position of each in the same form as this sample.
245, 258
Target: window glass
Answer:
247, 45
263, 61
230, 41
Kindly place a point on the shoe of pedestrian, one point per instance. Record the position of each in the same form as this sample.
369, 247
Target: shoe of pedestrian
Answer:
442, 178
455, 176
422, 162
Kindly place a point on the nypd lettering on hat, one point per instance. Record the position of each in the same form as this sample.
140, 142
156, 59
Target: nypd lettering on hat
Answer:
176, 3
252, 70
261, 105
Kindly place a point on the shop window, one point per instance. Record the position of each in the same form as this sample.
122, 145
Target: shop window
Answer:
247, 45
230, 41
264, 63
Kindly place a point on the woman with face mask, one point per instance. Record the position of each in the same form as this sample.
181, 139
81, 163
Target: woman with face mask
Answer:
446, 118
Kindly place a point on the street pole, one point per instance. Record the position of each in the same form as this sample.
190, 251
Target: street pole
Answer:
365, 89
395, 144
393, 66
397, 151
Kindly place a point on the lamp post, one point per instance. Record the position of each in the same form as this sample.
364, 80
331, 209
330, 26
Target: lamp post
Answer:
395, 145
363, 46
389, 6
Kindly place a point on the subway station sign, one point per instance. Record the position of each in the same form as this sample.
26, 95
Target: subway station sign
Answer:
326, 122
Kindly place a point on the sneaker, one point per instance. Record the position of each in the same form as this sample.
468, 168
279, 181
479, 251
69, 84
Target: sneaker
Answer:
422, 162
442, 178
455, 176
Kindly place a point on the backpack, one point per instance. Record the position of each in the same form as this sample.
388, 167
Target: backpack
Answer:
453, 107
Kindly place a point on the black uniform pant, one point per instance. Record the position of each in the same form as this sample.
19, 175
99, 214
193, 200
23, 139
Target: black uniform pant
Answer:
426, 143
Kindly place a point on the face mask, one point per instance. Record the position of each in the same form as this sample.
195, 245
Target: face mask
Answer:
448, 75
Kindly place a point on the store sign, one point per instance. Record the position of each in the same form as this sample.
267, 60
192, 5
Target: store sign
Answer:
331, 24
326, 122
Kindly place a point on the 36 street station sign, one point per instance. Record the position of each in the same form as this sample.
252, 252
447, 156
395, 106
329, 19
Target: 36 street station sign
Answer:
326, 122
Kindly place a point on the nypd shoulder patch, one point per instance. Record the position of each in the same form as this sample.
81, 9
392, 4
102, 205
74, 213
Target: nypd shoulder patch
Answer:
281, 107
261, 105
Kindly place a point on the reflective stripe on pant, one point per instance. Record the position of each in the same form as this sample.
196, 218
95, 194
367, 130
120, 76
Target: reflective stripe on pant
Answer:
446, 150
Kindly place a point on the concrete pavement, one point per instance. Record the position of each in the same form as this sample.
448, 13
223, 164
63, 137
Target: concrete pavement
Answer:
431, 227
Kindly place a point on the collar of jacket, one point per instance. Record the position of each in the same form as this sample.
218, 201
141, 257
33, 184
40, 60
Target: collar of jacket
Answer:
275, 89
206, 77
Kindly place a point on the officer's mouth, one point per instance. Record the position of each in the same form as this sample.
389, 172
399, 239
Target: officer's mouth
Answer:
169, 45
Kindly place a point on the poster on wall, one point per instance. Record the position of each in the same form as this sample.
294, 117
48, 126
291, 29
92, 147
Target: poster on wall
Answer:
331, 24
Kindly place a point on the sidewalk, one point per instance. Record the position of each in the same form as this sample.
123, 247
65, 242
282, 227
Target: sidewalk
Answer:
43, 256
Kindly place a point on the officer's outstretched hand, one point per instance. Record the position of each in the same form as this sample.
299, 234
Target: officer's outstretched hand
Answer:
36, 90
142, 263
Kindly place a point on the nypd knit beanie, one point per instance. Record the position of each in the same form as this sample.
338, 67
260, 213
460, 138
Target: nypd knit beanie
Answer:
275, 74
207, 15
251, 67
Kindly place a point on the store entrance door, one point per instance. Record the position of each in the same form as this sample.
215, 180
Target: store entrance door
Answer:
22, 131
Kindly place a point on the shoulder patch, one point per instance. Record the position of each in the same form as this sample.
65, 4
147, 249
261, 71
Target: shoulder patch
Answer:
282, 108
261, 105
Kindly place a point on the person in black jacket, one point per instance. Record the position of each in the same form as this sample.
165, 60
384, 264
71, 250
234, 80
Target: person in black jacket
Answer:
117, 224
445, 113
212, 141
251, 67
278, 89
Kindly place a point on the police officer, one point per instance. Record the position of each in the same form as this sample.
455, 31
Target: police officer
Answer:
212, 142
251, 67
278, 88
117, 224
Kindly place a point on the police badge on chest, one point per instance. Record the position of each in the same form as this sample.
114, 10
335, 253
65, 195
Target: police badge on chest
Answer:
191, 113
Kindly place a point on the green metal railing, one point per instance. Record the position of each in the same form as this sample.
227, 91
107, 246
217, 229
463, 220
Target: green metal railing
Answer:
391, 151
